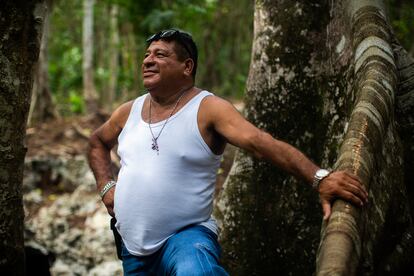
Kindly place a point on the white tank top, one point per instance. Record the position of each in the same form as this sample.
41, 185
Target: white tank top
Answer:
157, 195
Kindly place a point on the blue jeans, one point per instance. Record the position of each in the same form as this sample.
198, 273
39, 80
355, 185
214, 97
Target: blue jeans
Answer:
192, 251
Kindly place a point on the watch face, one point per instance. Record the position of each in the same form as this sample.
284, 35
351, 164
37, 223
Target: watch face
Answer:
322, 173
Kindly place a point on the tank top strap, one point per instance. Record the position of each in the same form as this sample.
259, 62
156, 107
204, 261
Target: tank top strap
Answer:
136, 108
195, 102
134, 116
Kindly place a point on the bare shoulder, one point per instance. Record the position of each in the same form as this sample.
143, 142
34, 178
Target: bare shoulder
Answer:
227, 121
213, 99
120, 115
216, 106
109, 131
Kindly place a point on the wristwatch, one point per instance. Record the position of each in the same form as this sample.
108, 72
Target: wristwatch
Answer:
317, 178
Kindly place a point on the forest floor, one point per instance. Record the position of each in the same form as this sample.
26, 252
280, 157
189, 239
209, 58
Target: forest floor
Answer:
62, 137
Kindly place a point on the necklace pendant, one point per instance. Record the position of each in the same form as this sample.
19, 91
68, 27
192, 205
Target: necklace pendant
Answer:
154, 145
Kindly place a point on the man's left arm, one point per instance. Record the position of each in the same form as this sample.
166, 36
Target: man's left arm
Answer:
228, 122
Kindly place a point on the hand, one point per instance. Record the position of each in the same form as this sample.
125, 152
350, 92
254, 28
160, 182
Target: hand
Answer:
108, 200
344, 185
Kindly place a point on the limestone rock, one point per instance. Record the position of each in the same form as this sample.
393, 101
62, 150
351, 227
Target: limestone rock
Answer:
74, 226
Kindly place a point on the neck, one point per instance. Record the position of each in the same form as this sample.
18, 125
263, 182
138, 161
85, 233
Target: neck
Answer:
165, 98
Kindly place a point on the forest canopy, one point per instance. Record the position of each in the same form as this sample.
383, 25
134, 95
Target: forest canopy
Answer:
224, 46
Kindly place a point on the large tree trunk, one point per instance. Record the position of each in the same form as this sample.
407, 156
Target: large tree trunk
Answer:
21, 30
42, 107
326, 86
271, 221
89, 90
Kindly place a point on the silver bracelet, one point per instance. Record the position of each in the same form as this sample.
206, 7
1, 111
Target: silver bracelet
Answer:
107, 187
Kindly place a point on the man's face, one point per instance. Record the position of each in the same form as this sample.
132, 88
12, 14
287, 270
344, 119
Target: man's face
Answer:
161, 65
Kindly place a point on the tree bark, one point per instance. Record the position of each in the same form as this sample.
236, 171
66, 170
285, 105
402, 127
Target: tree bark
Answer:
21, 29
42, 107
405, 115
322, 77
271, 221
376, 241
89, 90
113, 56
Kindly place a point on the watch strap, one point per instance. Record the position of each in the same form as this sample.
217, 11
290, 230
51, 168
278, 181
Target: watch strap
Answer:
317, 178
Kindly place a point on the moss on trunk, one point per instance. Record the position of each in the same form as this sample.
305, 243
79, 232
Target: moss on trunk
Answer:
271, 221
324, 84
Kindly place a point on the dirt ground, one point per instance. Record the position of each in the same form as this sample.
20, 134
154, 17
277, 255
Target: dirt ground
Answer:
68, 136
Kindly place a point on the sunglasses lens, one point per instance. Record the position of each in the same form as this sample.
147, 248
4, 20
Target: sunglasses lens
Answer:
168, 33
151, 38
162, 34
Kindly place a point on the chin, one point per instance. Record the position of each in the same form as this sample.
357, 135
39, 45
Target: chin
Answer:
150, 83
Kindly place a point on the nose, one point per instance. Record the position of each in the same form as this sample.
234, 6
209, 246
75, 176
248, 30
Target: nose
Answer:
148, 60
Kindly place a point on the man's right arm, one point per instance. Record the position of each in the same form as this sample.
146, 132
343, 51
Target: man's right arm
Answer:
99, 155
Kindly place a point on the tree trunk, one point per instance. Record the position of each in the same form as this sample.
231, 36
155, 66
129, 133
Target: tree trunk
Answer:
130, 61
42, 107
21, 29
376, 240
113, 56
89, 90
325, 86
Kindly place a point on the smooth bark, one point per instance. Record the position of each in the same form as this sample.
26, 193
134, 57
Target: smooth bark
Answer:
89, 90
113, 56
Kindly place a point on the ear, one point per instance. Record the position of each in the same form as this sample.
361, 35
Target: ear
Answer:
188, 66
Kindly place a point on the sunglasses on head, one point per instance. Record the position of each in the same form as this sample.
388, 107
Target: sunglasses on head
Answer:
170, 34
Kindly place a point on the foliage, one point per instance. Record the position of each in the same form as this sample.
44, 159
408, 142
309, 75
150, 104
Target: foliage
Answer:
64, 52
77, 104
402, 21
221, 29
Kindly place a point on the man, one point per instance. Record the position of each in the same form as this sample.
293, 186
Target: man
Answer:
170, 144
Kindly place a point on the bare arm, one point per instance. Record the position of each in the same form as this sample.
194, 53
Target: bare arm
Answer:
100, 144
241, 133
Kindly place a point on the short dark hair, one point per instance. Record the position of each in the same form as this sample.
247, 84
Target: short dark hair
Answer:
185, 46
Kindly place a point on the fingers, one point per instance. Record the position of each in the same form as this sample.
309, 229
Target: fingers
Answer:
354, 180
350, 197
342, 182
353, 176
108, 201
326, 207
357, 191
110, 208
110, 211
341, 185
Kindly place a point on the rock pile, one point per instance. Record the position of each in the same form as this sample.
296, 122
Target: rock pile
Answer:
68, 221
